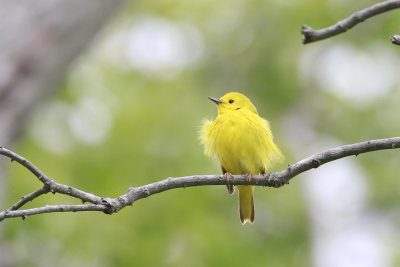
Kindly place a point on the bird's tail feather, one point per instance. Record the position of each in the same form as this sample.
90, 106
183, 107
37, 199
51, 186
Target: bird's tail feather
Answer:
246, 204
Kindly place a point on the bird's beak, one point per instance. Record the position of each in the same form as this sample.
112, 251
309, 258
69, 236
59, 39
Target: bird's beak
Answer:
216, 100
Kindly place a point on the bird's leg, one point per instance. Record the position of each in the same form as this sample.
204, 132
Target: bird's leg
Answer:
230, 187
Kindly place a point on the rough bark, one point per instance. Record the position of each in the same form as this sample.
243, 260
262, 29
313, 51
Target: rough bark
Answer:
113, 205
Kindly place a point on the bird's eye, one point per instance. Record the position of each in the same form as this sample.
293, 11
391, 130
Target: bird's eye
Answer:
231, 101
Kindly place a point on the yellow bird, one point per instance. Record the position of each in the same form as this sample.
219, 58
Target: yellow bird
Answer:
243, 143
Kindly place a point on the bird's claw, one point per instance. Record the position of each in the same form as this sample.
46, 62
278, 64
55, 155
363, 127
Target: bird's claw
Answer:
249, 177
230, 187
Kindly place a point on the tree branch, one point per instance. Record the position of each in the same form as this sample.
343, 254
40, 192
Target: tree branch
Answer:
29, 197
48, 209
311, 35
113, 205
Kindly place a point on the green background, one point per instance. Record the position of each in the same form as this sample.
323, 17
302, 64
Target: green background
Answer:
113, 125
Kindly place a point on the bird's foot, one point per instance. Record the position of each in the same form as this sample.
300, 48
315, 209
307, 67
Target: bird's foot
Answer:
249, 176
230, 187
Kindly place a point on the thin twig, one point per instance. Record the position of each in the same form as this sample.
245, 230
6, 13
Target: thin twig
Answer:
48, 209
29, 197
311, 35
275, 179
50, 184
24, 162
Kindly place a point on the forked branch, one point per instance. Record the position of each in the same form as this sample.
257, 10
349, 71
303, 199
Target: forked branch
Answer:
113, 205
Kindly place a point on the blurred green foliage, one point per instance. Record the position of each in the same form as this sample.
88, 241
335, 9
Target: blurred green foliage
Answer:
250, 46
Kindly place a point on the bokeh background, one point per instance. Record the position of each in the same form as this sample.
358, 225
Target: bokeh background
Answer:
128, 113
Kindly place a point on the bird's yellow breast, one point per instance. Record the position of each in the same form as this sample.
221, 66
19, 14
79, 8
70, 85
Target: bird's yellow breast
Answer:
242, 141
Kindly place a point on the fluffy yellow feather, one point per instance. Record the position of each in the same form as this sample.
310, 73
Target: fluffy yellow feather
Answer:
243, 143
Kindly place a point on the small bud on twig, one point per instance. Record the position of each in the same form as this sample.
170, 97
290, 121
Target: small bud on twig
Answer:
395, 39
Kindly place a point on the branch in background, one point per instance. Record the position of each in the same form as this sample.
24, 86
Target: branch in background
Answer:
395, 39
36, 50
113, 205
311, 35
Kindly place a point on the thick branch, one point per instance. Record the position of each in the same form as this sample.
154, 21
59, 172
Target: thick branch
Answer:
112, 205
311, 35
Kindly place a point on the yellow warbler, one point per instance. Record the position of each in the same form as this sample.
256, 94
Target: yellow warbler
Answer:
243, 143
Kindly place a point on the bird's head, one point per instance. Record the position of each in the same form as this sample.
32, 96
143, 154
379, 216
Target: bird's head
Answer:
232, 102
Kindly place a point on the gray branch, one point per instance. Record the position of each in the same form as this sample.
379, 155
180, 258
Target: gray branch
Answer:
29, 197
311, 35
48, 209
113, 205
